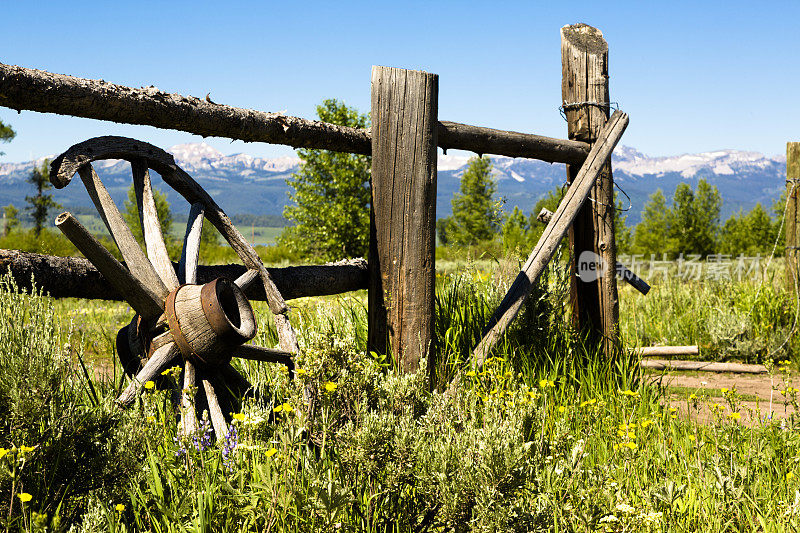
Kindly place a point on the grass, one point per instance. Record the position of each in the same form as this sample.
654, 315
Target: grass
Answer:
549, 436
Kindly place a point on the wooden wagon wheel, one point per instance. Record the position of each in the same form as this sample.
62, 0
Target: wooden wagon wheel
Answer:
176, 321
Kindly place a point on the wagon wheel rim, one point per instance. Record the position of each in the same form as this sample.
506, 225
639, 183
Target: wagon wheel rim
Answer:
150, 284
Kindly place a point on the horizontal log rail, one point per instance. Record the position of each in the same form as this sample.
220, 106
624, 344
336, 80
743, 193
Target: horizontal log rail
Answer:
76, 277
37, 90
703, 366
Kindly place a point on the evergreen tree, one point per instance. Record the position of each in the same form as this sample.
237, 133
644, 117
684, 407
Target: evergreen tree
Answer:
41, 204
694, 221
331, 196
10, 219
748, 233
515, 232
475, 215
6, 133
165, 220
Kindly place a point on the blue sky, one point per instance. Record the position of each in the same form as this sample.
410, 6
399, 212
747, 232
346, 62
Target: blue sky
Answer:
694, 76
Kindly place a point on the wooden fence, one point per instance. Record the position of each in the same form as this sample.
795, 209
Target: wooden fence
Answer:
403, 141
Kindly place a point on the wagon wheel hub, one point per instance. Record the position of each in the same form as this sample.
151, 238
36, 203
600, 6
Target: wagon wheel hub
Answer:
208, 322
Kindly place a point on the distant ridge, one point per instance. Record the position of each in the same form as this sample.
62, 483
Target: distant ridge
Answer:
242, 183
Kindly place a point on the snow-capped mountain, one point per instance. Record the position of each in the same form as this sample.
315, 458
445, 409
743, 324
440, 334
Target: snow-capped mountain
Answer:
242, 183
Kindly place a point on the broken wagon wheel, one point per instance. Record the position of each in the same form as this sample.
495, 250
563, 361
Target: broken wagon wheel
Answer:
176, 321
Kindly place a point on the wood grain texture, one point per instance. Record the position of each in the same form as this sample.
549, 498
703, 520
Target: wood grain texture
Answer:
135, 259
792, 234
584, 59
76, 277
190, 254
188, 413
158, 362
402, 269
37, 90
151, 226
556, 229
140, 297
703, 366
214, 410
661, 351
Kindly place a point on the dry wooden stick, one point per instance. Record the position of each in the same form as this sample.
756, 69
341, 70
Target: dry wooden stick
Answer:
703, 366
553, 233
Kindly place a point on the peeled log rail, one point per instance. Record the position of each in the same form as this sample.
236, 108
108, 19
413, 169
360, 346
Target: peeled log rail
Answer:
703, 366
556, 229
37, 90
76, 277
666, 351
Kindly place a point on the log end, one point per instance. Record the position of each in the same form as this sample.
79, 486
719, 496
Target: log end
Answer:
585, 38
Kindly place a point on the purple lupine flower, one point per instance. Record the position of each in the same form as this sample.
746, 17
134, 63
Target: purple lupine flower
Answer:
231, 441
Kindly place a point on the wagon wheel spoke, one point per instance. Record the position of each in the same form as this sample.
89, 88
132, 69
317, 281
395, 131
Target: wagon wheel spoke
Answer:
139, 295
151, 226
259, 353
189, 390
187, 268
214, 409
161, 358
133, 255
248, 278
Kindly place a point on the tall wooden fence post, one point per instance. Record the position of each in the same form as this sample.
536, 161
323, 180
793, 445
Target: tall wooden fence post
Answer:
403, 217
792, 193
584, 90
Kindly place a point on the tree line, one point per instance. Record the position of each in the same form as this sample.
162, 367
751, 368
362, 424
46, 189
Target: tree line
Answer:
328, 212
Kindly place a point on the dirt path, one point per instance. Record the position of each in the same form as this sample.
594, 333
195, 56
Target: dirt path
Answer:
761, 398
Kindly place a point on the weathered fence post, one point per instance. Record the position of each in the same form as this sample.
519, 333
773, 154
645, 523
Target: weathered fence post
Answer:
584, 90
792, 193
403, 217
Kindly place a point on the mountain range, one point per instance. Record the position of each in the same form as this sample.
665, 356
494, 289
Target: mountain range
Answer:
241, 183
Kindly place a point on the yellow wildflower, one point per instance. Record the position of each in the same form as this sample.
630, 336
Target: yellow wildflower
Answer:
330, 386
3, 452
692, 438
278, 409
645, 423
561, 409
239, 417
287, 407
24, 497
272, 451
724, 390
301, 371
120, 507
26, 449
149, 385
735, 416
588, 402
789, 475
471, 374
628, 393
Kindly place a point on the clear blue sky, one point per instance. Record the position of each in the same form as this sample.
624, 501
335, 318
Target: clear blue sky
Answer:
694, 76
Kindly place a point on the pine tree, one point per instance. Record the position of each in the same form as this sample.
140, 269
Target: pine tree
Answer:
41, 204
515, 232
6, 133
330, 202
476, 216
10, 219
